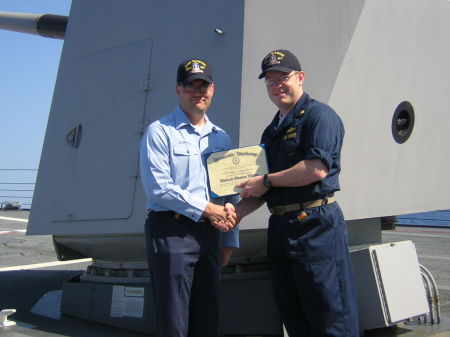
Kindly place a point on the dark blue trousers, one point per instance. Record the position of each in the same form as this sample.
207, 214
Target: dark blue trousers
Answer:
183, 259
311, 272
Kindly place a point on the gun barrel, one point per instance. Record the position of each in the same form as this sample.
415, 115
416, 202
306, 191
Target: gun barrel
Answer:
46, 25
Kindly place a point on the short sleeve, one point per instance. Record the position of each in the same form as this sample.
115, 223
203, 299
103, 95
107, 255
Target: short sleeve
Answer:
322, 135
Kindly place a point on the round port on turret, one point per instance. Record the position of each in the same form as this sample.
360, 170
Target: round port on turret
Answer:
403, 122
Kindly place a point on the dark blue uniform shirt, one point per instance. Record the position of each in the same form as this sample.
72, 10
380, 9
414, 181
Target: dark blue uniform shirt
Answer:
312, 130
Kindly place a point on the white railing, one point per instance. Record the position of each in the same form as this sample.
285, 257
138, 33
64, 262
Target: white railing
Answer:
17, 187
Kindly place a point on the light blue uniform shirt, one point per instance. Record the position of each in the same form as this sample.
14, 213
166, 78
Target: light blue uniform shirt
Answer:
173, 167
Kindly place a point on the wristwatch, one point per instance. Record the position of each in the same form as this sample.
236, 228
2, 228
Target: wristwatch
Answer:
266, 181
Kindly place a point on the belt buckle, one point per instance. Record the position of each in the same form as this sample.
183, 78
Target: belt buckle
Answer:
278, 210
324, 201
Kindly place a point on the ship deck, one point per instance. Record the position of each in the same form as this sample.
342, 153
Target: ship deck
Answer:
31, 280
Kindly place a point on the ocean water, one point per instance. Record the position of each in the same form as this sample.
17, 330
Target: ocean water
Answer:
428, 219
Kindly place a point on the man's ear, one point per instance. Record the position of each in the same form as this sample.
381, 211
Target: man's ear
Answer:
301, 77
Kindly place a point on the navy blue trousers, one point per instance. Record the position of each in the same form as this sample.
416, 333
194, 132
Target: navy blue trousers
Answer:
183, 259
311, 273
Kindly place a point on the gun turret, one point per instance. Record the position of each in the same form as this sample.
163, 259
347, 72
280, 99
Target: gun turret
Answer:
46, 25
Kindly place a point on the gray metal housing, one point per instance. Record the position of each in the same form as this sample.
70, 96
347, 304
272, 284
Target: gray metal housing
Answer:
117, 74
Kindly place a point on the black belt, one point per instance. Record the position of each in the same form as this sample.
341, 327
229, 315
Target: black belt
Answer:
283, 209
181, 217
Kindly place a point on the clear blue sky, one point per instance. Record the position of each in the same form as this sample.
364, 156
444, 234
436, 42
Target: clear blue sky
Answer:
28, 69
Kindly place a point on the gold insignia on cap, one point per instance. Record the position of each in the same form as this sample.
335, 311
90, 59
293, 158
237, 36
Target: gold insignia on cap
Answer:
195, 66
275, 57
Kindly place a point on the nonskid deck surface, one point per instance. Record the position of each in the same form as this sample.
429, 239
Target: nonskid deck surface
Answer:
34, 289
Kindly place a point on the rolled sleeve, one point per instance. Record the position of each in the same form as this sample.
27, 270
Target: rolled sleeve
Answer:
317, 153
323, 138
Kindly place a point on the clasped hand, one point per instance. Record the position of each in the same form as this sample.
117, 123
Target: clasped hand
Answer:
224, 218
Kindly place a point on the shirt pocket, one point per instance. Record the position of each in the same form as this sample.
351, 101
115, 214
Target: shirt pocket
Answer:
290, 147
185, 150
185, 161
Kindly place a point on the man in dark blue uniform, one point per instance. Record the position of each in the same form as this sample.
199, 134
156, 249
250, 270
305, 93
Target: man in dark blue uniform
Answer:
307, 237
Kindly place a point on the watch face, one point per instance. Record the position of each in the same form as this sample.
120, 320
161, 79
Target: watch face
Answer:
266, 181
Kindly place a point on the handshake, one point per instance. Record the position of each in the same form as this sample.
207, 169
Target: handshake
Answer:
224, 218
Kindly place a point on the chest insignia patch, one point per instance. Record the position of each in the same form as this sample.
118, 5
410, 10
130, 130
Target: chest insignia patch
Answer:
302, 112
290, 135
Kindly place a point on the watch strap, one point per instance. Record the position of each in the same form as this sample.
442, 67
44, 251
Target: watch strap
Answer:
266, 181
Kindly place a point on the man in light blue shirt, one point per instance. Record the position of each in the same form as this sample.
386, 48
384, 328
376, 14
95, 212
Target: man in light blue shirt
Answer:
185, 227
